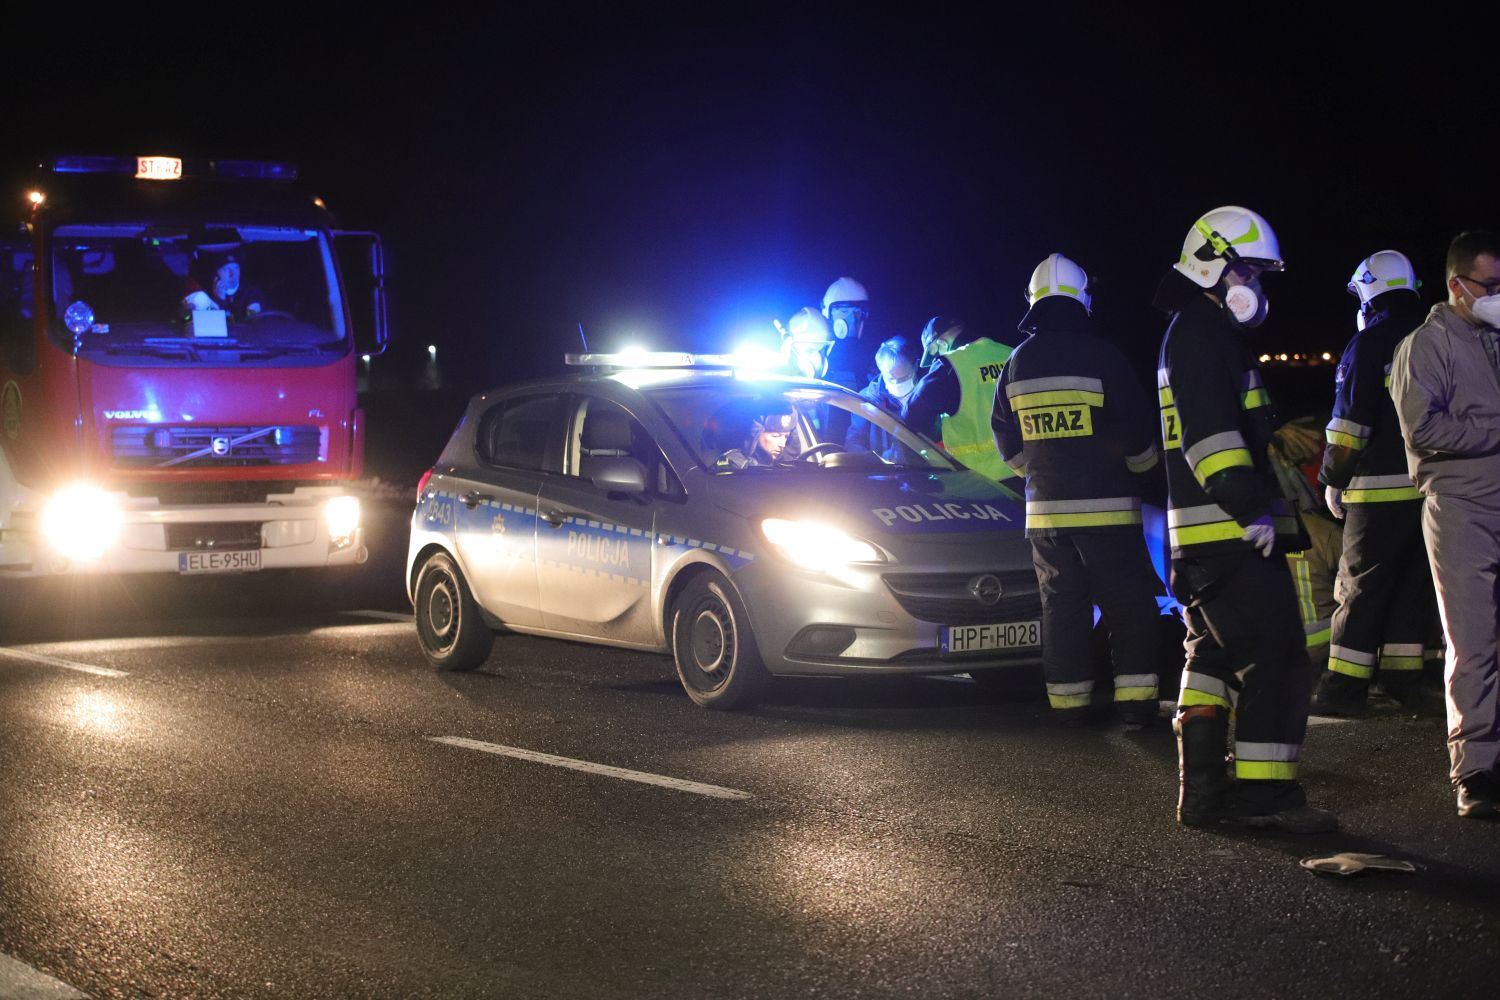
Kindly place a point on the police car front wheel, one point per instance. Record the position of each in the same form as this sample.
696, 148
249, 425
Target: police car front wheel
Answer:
715, 653
453, 634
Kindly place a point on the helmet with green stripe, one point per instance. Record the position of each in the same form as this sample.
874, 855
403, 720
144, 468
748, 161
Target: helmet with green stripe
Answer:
1057, 275
1386, 271
1223, 236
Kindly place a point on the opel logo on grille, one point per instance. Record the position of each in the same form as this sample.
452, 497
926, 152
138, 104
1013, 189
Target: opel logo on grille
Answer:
986, 589
221, 445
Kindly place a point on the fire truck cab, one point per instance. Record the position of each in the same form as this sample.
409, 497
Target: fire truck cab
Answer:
179, 345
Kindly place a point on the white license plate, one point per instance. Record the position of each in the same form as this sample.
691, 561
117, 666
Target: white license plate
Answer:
982, 638
247, 561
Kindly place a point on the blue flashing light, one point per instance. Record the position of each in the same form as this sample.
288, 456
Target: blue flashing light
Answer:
262, 170
94, 165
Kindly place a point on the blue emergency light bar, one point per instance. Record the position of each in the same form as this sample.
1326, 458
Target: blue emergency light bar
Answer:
672, 359
172, 168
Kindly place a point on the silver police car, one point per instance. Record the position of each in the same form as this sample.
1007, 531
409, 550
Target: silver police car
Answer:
747, 524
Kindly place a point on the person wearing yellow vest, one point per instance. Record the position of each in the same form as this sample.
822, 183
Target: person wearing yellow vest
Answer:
953, 401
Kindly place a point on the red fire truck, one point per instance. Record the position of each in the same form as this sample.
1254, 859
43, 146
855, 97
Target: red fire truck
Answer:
179, 345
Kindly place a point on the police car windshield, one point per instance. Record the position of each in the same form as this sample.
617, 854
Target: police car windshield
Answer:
142, 294
763, 426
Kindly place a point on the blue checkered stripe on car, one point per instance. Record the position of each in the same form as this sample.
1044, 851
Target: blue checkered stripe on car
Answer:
736, 558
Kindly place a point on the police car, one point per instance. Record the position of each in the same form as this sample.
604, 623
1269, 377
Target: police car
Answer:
747, 524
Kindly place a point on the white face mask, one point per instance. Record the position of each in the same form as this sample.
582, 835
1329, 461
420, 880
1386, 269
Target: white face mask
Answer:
902, 388
1487, 310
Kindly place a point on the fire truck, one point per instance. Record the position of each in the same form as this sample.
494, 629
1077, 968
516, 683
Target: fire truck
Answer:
179, 350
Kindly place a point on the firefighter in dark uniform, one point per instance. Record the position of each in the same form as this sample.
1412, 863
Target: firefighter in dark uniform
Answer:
1228, 525
1070, 416
1386, 602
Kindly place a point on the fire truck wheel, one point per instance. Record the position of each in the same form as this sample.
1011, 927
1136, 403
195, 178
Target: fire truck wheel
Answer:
453, 634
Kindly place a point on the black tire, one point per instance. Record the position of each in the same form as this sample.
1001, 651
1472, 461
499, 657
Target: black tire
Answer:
717, 659
450, 628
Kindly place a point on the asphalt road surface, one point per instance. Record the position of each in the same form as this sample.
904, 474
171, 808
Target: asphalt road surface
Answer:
243, 788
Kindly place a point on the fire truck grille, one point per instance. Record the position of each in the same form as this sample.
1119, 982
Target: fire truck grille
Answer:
190, 494
220, 536
946, 598
197, 447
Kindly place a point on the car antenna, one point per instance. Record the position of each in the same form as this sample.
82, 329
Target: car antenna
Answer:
582, 339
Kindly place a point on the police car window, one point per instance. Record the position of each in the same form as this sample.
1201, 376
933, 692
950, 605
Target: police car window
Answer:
760, 425
601, 431
520, 433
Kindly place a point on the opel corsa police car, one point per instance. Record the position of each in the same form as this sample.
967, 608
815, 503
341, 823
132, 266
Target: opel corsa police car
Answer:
747, 524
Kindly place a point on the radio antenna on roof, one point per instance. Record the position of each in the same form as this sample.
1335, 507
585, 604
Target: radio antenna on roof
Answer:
582, 339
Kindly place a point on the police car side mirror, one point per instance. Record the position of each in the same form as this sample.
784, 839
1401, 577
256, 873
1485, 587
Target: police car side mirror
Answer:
621, 475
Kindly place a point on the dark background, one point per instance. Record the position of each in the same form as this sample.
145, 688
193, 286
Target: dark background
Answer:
677, 177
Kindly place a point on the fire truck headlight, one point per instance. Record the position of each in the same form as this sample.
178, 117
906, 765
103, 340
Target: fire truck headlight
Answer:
342, 514
81, 522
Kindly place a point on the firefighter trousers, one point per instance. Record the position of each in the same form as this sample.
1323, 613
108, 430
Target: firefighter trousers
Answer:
1246, 652
1384, 591
1114, 571
1463, 543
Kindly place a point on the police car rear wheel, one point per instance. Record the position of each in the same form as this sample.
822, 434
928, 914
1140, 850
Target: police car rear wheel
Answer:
716, 656
453, 634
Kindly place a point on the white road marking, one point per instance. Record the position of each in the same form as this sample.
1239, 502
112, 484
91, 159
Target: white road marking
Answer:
53, 661
697, 788
1328, 720
384, 616
19, 981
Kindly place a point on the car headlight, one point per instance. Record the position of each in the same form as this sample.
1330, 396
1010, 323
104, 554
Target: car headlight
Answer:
817, 546
342, 515
80, 522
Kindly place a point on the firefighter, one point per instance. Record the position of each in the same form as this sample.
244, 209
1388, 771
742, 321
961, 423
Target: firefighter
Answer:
851, 359
1384, 584
953, 401
1071, 418
1228, 525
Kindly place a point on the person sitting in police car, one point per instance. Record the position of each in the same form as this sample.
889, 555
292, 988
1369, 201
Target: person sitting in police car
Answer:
765, 443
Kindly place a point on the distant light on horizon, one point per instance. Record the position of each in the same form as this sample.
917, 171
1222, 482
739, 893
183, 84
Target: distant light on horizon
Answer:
1327, 356
35, 197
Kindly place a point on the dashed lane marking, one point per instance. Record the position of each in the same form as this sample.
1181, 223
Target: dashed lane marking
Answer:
1328, 720
588, 767
383, 616
19, 981
53, 661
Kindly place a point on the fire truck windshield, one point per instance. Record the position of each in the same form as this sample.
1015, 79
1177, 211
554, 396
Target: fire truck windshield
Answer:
144, 294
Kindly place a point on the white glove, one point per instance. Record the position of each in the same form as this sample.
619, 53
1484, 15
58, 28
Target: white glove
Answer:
1262, 535
1334, 498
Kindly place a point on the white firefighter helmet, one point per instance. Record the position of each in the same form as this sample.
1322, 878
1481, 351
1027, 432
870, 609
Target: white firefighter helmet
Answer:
1057, 275
1225, 235
845, 290
807, 342
1386, 271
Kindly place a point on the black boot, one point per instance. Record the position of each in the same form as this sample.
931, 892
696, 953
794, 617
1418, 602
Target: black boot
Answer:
1202, 737
1403, 685
1339, 694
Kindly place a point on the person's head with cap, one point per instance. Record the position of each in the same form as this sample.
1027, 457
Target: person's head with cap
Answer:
941, 335
768, 434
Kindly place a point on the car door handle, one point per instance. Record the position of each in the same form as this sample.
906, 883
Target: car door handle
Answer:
472, 500
556, 518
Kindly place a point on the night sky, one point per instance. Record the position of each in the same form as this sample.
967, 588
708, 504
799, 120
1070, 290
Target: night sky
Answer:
677, 177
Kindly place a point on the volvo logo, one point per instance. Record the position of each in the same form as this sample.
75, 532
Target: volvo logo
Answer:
986, 589
221, 444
